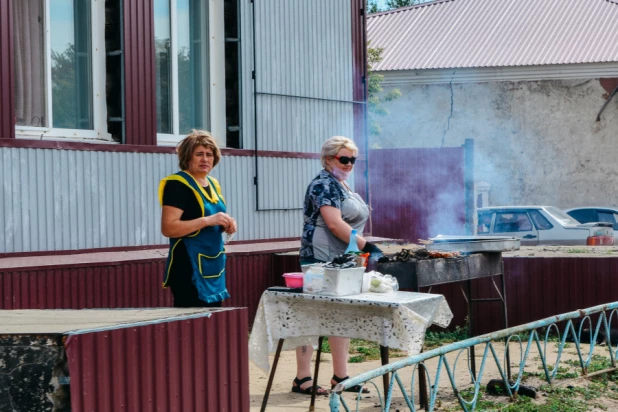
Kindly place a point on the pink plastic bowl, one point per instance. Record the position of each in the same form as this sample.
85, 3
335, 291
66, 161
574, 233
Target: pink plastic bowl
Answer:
293, 280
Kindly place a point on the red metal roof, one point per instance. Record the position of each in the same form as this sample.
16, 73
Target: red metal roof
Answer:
495, 33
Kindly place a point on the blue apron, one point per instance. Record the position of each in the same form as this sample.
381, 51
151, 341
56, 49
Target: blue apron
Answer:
205, 247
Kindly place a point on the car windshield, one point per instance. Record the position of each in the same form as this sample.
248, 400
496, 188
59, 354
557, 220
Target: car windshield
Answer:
560, 216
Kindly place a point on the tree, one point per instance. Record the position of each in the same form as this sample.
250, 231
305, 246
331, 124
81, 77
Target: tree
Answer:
395, 4
375, 98
372, 6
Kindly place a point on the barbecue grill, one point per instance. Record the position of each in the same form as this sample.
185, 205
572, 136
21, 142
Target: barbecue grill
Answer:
481, 257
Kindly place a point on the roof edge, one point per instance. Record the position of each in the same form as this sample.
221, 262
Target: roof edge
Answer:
431, 3
501, 74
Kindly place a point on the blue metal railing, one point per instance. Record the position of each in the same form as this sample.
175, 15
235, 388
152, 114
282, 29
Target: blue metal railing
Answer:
530, 331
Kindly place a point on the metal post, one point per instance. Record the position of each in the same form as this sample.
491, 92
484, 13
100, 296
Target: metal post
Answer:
384, 357
470, 330
506, 322
422, 387
272, 375
315, 374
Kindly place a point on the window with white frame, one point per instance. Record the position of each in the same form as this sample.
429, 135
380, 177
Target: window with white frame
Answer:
190, 68
59, 63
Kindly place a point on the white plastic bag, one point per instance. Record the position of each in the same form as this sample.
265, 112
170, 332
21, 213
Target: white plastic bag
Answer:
382, 283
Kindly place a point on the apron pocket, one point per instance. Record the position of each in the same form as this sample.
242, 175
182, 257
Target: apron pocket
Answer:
211, 266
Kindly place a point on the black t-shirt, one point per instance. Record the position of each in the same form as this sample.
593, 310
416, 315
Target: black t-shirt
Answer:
180, 196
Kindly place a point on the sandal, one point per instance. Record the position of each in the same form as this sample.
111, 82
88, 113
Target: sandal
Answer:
355, 388
309, 389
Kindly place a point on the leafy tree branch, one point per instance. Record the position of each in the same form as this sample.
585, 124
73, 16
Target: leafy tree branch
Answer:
376, 98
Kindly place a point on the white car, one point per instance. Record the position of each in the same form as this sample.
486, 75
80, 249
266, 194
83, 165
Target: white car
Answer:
596, 214
542, 225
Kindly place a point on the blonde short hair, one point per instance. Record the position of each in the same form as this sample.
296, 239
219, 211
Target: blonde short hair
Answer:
187, 146
331, 147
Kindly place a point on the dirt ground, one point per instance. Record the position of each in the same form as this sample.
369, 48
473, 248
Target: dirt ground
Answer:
283, 400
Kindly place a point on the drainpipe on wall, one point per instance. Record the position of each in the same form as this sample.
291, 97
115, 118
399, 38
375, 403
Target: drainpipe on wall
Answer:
468, 147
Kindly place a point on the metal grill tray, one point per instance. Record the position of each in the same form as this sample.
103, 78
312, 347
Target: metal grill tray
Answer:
427, 272
474, 244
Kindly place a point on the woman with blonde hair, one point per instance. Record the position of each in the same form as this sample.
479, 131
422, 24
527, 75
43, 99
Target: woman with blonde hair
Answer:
194, 218
331, 211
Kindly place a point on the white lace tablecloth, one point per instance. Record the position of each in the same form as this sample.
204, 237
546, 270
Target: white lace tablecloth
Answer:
396, 320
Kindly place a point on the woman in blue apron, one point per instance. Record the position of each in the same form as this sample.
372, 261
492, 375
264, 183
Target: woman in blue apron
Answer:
194, 218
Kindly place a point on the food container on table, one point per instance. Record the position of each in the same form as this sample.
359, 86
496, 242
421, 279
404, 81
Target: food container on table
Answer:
293, 280
342, 282
313, 278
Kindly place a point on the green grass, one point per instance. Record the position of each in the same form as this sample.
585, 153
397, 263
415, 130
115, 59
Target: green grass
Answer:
436, 339
555, 399
362, 350
597, 363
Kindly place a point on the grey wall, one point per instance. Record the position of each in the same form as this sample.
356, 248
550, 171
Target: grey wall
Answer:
70, 199
303, 48
303, 66
536, 142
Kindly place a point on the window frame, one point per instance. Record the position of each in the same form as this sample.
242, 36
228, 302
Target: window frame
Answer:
99, 107
216, 74
515, 213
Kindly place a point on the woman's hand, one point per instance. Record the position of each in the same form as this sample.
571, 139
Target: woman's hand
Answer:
220, 219
231, 229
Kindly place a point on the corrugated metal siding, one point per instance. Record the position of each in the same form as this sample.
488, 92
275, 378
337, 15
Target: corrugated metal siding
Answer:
139, 73
7, 109
186, 365
247, 278
495, 33
541, 287
134, 284
236, 177
536, 288
289, 176
112, 285
415, 192
303, 49
69, 199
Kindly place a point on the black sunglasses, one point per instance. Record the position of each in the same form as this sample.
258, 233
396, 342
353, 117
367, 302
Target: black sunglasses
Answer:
344, 160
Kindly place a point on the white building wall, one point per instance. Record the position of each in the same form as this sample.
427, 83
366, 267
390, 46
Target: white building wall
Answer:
536, 141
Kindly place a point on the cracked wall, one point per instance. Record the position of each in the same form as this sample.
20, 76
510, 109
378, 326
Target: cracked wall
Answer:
536, 142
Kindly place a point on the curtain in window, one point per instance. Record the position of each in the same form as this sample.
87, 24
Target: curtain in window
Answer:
29, 51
